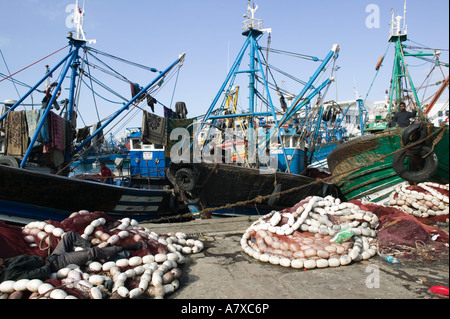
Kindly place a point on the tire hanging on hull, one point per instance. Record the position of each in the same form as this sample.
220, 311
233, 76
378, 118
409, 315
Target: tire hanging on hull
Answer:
428, 167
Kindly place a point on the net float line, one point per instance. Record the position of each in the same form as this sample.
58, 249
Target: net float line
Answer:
151, 272
424, 200
315, 233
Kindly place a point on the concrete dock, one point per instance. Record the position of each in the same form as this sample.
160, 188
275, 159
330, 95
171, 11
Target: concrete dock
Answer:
223, 271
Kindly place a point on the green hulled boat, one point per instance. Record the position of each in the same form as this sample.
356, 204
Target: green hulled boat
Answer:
371, 166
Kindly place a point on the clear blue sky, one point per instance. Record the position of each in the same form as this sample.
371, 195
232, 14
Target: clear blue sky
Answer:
154, 33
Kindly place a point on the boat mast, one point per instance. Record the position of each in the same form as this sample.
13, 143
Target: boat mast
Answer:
252, 30
398, 35
72, 61
76, 42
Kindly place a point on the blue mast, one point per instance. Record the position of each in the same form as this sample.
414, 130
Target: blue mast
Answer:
252, 36
71, 60
47, 110
127, 105
253, 31
76, 45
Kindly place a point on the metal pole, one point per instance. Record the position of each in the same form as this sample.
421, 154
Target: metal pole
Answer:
272, 109
73, 77
126, 106
35, 87
361, 120
230, 73
47, 110
251, 97
75, 64
293, 109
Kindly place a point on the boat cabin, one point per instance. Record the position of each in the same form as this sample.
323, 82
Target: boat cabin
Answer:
293, 158
146, 160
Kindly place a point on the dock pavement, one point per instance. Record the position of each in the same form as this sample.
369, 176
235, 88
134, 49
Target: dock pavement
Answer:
222, 270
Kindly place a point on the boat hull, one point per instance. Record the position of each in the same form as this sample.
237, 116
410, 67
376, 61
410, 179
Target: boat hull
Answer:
31, 195
218, 185
374, 154
318, 157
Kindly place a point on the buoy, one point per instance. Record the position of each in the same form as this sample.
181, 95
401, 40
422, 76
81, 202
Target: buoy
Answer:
380, 60
440, 290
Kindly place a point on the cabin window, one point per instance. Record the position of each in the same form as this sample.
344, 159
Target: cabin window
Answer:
152, 147
295, 140
286, 141
348, 119
136, 144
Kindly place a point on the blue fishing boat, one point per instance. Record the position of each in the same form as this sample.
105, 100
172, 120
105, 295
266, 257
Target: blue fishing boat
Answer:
39, 146
254, 161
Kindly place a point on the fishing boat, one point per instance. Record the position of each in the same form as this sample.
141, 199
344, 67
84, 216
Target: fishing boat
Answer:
253, 161
371, 166
38, 146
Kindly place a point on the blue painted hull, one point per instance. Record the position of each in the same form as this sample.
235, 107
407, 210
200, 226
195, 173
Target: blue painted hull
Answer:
37, 196
319, 157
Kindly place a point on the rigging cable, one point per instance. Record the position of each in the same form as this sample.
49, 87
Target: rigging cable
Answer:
120, 76
297, 55
269, 40
78, 88
376, 74
123, 60
93, 95
7, 68
33, 63
91, 77
100, 96
175, 86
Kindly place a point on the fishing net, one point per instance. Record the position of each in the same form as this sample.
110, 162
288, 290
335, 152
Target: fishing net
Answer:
316, 232
12, 242
78, 221
402, 235
41, 238
146, 266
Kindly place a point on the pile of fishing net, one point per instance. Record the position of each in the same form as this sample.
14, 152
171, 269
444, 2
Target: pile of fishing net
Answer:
12, 242
150, 272
315, 233
422, 200
408, 227
323, 232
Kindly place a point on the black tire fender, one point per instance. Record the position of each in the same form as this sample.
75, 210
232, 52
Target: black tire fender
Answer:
414, 133
170, 176
8, 160
429, 168
185, 179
